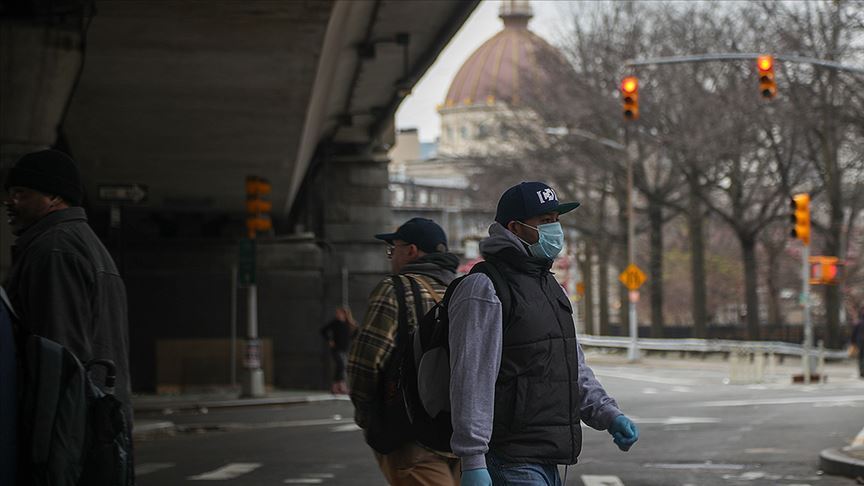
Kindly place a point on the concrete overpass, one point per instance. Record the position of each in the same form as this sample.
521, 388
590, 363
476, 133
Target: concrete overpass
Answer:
169, 105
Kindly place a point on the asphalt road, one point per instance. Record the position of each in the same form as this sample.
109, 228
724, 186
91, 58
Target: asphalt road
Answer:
695, 430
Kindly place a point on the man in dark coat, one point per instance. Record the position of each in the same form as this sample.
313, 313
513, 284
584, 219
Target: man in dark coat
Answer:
63, 283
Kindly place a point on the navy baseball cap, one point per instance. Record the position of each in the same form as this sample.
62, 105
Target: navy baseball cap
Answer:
424, 233
529, 199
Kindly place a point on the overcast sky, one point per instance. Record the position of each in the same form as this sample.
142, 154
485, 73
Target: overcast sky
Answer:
418, 109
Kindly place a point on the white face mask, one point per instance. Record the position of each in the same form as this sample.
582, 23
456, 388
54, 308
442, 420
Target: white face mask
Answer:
551, 240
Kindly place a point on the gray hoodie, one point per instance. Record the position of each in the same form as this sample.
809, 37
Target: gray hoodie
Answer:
475, 358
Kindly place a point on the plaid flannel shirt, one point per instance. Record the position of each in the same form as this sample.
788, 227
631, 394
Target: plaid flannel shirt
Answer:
376, 339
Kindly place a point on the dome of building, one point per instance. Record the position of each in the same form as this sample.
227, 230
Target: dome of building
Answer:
505, 68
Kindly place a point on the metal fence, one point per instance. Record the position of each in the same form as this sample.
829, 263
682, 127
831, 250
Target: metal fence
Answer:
706, 346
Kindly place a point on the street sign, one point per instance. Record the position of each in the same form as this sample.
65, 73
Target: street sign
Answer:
129, 193
632, 277
246, 262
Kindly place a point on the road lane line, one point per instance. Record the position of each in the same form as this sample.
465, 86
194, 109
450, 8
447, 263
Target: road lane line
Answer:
303, 481
591, 480
646, 378
782, 401
229, 471
151, 467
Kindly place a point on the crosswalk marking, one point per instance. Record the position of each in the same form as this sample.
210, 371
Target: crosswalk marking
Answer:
151, 467
229, 471
591, 480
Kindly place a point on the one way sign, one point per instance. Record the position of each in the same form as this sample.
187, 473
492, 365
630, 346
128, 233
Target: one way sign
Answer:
134, 193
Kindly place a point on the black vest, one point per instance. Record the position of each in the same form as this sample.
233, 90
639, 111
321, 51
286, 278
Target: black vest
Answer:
537, 393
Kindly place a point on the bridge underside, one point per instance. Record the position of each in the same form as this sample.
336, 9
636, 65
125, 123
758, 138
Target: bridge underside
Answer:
182, 100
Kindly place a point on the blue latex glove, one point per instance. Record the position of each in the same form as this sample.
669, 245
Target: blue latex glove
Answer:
624, 432
476, 477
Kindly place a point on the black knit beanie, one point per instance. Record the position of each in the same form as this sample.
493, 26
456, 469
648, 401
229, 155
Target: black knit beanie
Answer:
48, 171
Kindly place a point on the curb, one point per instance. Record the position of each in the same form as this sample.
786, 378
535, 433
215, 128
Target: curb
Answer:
838, 462
149, 429
232, 403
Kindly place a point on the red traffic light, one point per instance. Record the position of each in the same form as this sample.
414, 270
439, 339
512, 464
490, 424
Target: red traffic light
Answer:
630, 85
630, 92
767, 85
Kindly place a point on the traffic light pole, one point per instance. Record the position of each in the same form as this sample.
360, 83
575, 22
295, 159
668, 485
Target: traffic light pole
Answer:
633, 350
807, 357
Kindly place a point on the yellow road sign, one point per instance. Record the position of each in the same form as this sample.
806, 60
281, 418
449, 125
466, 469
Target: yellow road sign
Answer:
632, 277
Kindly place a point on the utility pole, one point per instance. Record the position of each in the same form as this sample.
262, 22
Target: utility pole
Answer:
257, 220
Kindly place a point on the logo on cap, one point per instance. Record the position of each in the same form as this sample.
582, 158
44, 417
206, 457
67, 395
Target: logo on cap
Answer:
546, 195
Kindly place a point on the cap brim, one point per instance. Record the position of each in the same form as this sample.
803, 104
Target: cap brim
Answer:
567, 207
388, 237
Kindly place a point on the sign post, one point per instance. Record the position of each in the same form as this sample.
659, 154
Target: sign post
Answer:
632, 277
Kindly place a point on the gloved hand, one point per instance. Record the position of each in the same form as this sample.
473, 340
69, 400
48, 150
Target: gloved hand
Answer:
624, 432
476, 477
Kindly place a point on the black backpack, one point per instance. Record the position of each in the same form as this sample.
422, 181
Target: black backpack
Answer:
70, 432
389, 427
424, 379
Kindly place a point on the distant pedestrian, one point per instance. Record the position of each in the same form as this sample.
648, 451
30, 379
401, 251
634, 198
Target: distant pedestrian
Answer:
338, 334
422, 268
857, 340
63, 283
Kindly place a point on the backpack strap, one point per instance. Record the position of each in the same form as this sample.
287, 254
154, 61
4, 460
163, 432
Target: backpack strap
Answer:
426, 285
5, 299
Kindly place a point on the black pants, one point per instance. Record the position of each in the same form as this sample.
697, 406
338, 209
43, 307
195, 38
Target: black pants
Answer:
340, 362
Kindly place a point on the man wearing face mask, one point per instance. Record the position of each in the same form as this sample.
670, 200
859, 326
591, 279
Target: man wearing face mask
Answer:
519, 383
63, 284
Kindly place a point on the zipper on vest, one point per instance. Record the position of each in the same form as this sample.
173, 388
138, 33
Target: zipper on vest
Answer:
544, 286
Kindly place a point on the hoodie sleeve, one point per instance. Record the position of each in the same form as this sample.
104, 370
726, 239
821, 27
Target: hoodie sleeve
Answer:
475, 358
597, 408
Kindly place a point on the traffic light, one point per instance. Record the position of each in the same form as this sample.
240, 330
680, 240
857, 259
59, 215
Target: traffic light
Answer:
801, 217
630, 94
257, 209
767, 86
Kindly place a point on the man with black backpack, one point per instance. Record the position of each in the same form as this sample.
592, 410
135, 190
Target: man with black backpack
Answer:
71, 327
519, 384
422, 268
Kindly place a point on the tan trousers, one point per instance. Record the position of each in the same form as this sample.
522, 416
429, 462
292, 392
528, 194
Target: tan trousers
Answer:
413, 465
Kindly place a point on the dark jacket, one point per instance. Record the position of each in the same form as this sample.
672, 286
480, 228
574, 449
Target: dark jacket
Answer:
65, 287
537, 392
340, 332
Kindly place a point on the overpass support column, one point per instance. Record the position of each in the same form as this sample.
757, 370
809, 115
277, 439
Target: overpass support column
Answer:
355, 204
40, 59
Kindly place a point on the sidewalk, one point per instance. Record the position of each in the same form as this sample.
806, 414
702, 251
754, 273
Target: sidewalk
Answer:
151, 410
845, 461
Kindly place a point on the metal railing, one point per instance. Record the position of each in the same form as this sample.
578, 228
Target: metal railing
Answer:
706, 346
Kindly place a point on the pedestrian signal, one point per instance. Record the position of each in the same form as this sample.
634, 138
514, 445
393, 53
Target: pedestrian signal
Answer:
767, 85
257, 209
801, 217
630, 94
824, 270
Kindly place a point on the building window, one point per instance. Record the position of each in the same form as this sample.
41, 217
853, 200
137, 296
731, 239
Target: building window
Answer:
464, 132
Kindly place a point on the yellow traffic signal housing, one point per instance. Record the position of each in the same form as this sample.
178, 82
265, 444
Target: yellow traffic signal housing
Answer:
630, 97
767, 85
801, 217
257, 209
